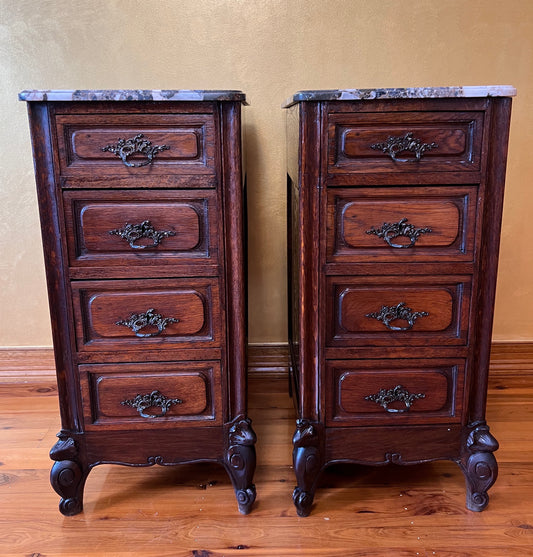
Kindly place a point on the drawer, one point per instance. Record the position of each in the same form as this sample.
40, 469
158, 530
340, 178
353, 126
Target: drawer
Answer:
404, 142
118, 315
401, 224
142, 395
141, 227
136, 145
381, 392
397, 311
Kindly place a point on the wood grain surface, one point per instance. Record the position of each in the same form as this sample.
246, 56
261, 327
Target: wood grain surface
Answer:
188, 510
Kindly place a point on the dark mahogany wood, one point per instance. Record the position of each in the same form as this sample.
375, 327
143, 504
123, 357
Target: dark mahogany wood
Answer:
353, 385
365, 224
392, 273
355, 310
190, 140
103, 311
194, 387
182, 228
146, 281
454, 137
308, 460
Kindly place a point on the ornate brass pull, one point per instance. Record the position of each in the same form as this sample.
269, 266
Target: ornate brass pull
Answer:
155, 398
134, 232
138, 321
391, 230
125, 148
399, 394
393, 146
388, 314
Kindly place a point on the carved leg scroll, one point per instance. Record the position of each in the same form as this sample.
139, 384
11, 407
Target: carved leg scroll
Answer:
479, 466
240, 462
68, 476
307, 465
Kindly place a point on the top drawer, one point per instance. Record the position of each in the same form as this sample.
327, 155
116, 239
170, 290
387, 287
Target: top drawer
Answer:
404, 142
132, 145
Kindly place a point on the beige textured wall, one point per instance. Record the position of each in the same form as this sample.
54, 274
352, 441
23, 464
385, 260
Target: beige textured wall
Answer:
269, 49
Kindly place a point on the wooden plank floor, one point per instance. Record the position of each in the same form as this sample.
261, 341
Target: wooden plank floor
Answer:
191, 511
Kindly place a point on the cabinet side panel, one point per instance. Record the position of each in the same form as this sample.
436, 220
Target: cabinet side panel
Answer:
233, 209
498, 136
309, 259
56, 278
293, 242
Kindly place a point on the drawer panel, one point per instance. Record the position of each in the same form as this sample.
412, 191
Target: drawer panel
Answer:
150, 395
377, 392
404, 142
397, 311
180, 144
401, 224
140, 227
147, 314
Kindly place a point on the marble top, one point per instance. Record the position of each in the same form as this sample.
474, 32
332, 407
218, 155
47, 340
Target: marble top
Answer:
402, 93
131, 95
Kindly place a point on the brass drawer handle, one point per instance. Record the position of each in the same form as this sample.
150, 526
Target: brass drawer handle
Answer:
155, 398
391, 230
393, 146
399, 394
388, 314
134, 232
125, 148
138, 321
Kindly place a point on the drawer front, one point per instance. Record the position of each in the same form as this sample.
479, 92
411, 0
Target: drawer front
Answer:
140, 227
135, 396
130, 315
401, 224
404, 142
379, 392
98, 145
397, 311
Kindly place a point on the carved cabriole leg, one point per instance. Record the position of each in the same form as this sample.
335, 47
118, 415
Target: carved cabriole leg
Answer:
240, 462
307, 465
479, 466
68, 475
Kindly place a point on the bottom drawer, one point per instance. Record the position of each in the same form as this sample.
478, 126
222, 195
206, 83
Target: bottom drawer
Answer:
136, 396
378, 392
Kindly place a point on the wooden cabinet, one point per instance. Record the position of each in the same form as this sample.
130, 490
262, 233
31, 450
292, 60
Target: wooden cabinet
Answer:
394, 206
142, 211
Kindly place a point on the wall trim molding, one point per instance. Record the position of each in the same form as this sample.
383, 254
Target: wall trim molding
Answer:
264, 360
268, 360
27, 362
